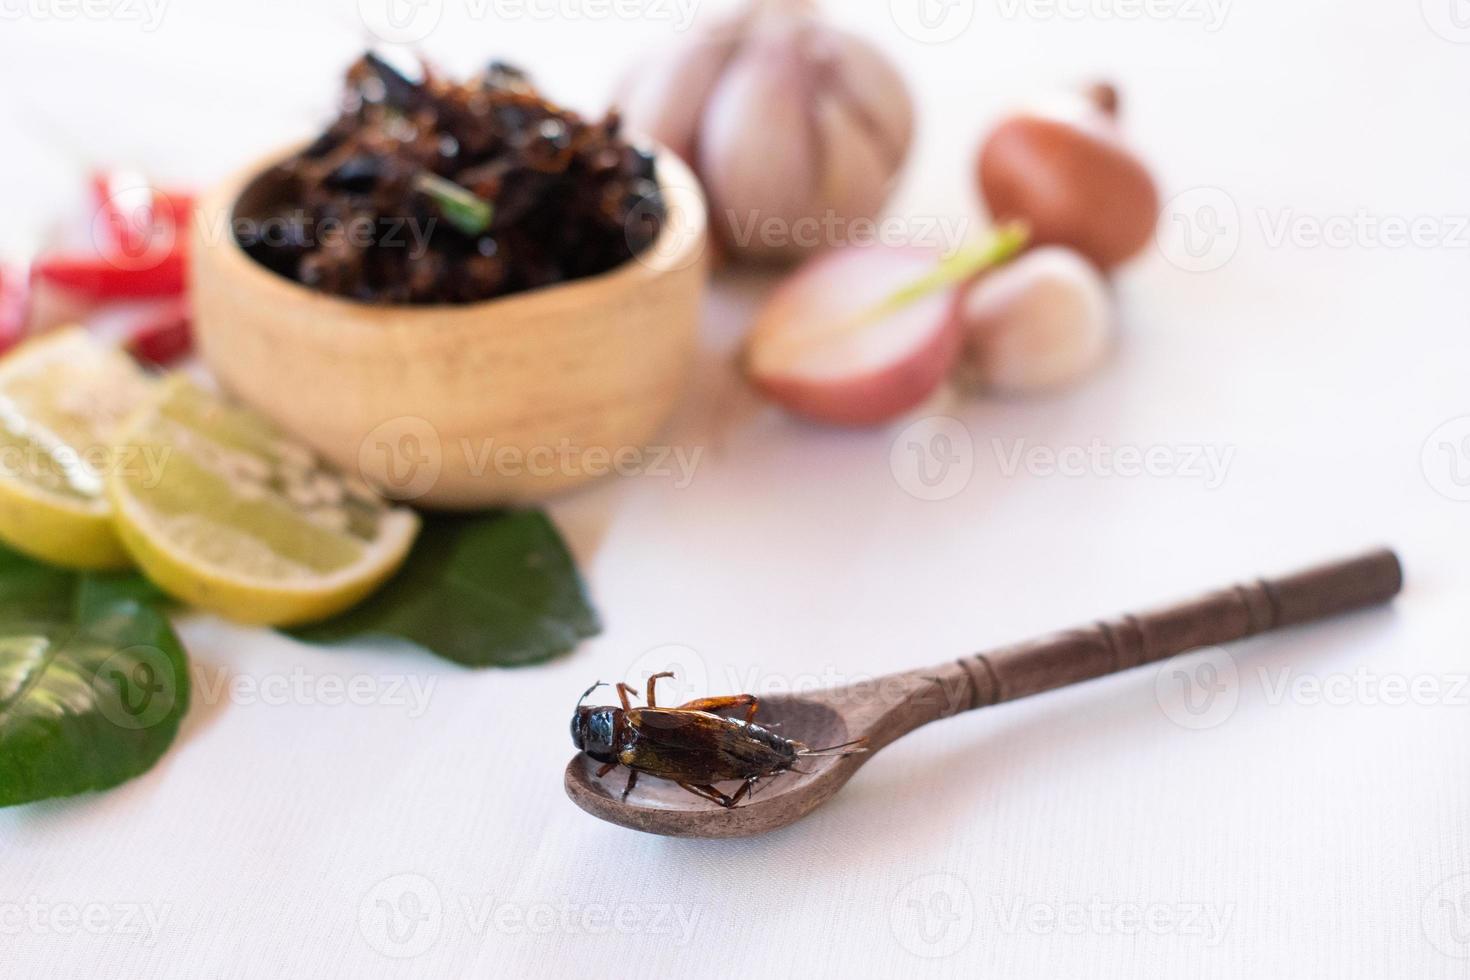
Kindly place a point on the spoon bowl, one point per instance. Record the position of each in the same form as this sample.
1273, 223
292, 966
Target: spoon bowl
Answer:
660, 807
888, 708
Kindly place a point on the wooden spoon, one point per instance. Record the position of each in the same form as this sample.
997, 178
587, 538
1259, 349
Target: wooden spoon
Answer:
890, 707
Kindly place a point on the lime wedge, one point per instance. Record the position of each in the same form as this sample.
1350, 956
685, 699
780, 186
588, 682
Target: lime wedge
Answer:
62, 397
239, 519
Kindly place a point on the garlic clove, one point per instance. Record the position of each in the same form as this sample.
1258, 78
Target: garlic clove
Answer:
876, 95
846, 187
817, 350
1043, 321
664, 100
759, 154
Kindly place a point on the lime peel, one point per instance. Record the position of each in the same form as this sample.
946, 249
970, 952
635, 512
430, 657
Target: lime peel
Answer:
258, 550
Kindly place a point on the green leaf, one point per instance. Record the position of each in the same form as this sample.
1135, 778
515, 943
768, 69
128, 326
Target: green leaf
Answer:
30, 590
93, 682
488, 590
98, 589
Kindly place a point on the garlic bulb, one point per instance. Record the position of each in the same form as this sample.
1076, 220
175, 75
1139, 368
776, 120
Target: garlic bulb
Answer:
795, 128
1043, 321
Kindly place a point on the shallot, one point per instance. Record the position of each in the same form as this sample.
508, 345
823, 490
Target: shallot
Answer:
1066, 171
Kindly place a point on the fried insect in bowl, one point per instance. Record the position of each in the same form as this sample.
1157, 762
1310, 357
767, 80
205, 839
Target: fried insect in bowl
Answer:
433, 393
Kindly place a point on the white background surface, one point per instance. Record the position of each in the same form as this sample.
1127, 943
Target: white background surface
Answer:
1089, 832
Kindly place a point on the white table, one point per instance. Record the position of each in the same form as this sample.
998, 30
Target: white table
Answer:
1314, 819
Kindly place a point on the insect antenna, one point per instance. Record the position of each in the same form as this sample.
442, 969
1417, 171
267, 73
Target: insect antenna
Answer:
589, 691
854, 747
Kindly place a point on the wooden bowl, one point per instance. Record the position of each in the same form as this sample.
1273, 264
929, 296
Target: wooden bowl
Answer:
457, 406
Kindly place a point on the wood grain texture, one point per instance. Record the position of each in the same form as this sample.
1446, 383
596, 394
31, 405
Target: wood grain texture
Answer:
489, 398
1219, 617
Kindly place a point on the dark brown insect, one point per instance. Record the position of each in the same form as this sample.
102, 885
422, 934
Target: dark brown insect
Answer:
429, 190
692, 745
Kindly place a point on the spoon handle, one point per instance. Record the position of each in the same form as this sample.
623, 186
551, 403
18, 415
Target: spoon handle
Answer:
1219, 617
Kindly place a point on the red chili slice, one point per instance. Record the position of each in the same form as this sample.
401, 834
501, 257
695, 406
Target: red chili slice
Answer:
99, 278
163, 338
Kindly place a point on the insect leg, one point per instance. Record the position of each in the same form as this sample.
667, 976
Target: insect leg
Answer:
707, 792
609, 767
747, 701
623, 692
741, 793
652, 680
632, 781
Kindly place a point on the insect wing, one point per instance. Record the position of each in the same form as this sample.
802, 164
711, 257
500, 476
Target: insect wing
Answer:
695, 746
